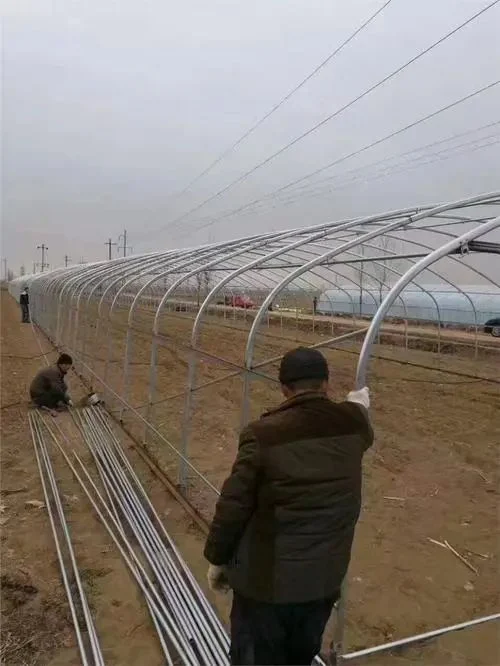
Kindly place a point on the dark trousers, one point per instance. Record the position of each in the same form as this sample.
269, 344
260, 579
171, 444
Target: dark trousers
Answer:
277, 634
25, 310
50, 399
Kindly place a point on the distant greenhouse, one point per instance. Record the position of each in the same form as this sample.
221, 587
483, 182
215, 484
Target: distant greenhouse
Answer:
467, 305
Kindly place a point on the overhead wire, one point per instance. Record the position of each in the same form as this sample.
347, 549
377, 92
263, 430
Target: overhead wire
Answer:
355, 153
284, 99
357, 175
405, 153
403, 167
256, 207
330, 117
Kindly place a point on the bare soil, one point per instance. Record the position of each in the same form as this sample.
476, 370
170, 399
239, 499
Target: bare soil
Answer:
36, 621
433, 473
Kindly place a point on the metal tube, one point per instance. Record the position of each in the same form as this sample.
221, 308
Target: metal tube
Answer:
130, 557
158, 543
189, 615
96, 650
410, 275
149, 541
172, 547
64, 575
80, 424
350, 656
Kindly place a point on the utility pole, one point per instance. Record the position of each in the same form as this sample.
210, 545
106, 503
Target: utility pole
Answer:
109, 245
43, 248
124, 247
66, 260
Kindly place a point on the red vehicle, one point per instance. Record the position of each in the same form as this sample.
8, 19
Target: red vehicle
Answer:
239, 301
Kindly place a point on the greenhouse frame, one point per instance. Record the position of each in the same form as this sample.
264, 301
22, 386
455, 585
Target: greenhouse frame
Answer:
368, 269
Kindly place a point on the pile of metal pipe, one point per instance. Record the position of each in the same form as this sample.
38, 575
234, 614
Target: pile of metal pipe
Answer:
188, 628
86, 635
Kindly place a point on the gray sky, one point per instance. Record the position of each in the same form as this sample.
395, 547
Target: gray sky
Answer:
111, 108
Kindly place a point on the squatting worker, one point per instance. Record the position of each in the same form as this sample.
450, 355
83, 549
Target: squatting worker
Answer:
284, 524
48, 389
24, 302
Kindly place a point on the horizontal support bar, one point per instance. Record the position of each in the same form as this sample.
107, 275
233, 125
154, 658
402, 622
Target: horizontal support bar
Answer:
484, 246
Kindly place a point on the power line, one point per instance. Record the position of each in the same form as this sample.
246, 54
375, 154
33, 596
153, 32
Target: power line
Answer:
304, 191
333, 115
354, 153
432, 144
356, 174
409, 166
279, 104
394, 169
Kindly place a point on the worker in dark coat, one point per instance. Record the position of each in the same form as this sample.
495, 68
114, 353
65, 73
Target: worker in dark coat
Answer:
48, 389
284, 524
24, 302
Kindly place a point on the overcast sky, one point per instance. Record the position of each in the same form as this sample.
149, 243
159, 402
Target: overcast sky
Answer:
111, 108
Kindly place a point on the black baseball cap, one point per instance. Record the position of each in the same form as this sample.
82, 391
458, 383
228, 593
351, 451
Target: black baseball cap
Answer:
303, 363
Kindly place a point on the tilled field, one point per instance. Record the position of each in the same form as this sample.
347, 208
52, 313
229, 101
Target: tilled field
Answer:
433, 474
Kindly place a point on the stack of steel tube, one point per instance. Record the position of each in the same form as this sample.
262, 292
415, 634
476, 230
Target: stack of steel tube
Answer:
86, 635
189, 630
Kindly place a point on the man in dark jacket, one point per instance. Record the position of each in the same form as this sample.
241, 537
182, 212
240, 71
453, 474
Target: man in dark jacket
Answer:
24, 302
284, 524
48, 389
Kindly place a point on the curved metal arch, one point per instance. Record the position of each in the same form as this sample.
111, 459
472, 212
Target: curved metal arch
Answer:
408, 277
101, 280
68, 284
346, 246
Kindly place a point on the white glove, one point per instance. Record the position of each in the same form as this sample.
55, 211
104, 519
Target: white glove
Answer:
361, 397
70, 403
217, 579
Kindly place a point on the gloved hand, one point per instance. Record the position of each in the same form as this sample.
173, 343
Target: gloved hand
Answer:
217, 579
70, 402
361, 397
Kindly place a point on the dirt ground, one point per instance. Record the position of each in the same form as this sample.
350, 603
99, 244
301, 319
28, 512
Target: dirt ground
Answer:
433, 473
36, 621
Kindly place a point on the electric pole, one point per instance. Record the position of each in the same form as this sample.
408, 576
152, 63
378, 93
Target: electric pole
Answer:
66, 260
43, 248
124, 247
109, 245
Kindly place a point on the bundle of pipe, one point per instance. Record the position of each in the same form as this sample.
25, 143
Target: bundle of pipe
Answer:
187, 625
86, 635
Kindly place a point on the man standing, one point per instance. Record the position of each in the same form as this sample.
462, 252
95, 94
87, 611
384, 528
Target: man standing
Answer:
48, 389
284, 524
24, 302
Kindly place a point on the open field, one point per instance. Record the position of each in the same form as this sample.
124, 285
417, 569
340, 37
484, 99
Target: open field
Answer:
433, 473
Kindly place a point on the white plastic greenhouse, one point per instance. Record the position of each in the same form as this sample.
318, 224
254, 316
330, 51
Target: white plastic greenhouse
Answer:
469, 305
